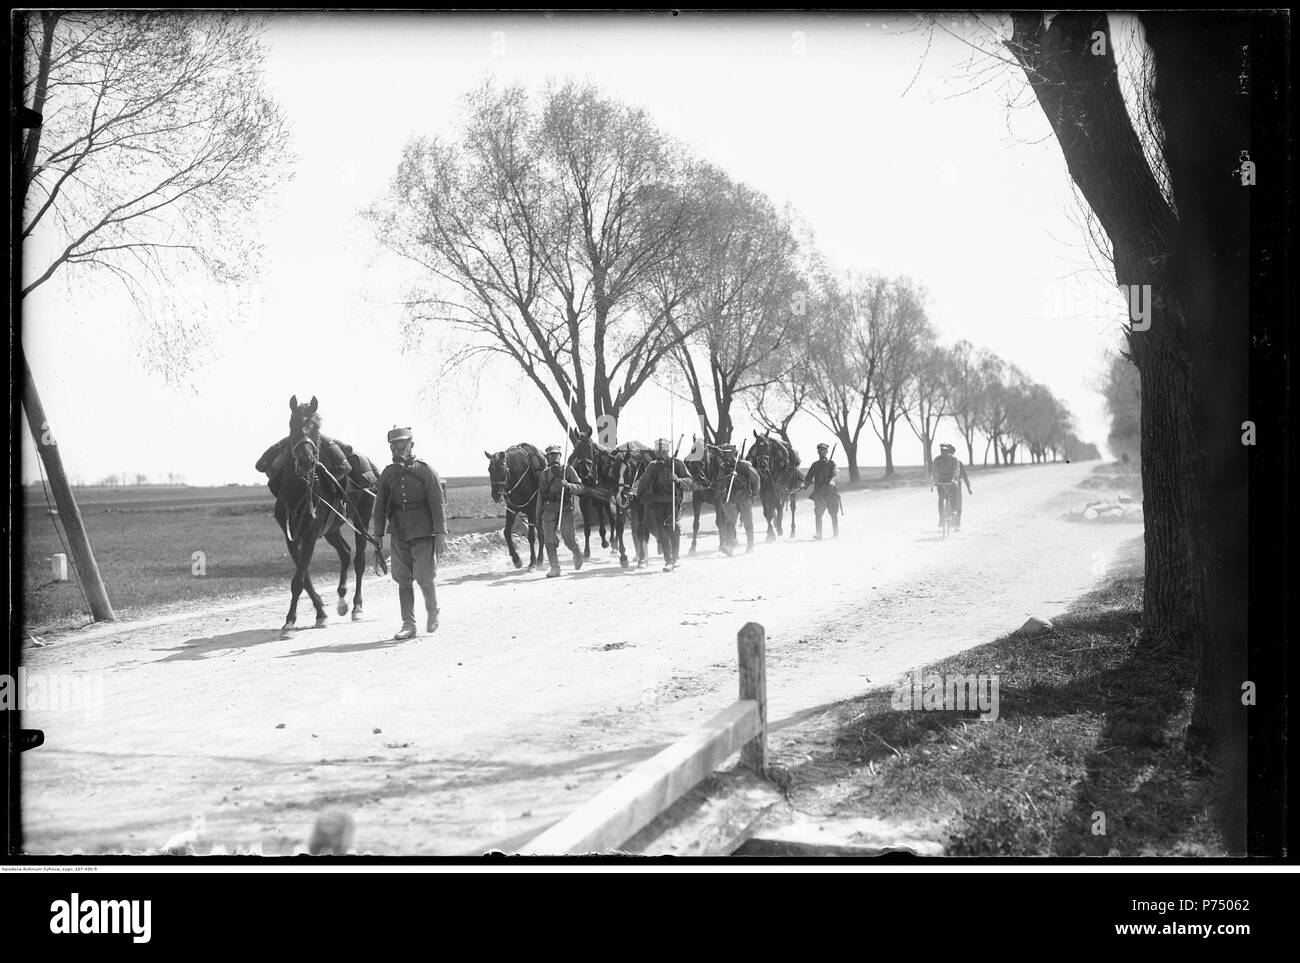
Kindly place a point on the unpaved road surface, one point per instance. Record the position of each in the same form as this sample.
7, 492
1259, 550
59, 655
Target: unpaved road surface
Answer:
535, 694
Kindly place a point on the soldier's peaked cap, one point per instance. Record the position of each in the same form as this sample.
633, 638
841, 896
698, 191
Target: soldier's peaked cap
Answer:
398, 434
823, 447
947, 447
663, 444
552, 449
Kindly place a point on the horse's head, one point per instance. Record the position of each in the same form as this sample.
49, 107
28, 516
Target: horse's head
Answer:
304, 436
761, 453
497, 474
592, 462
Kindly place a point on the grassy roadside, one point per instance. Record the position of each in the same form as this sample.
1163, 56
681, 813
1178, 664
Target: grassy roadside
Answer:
1088, 736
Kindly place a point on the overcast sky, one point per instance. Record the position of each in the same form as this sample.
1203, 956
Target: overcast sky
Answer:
840, 116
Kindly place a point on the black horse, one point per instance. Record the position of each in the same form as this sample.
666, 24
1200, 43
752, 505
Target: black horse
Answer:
631, 458
777, 465
598, 470
703, 470
313, 503
514, 474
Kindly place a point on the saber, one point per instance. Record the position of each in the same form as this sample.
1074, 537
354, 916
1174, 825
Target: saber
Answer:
351, 504
379, 546
672, 474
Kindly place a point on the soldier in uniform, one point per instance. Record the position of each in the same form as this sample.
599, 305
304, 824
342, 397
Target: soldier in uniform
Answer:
744, 484
411, 501
944, 469
825, 496
662, 483
555, 486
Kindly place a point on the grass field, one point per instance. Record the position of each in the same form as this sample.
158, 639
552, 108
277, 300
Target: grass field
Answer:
144, 539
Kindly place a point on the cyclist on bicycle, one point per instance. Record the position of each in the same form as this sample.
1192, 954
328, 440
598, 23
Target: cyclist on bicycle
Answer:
945, 470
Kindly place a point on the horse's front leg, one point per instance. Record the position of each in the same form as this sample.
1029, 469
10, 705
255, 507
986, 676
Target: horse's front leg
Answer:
586, 528
359, 569
768, 512
305, 562
340, 544
695, 522
295, 590
794, 499
508, 534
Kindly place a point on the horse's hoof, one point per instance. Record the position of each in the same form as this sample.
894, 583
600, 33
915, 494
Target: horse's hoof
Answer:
343, 607
286, 634
321, 622
622, 560
586, 553
356, 614
770, 537
518, 563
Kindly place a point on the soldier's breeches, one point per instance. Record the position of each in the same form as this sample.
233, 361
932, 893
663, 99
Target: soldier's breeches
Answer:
663, 526
552, 532
406, 602
413, 562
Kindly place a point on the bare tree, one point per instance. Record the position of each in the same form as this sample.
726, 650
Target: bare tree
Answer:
899, 336
966, 396
148, 144
745, 302
1186, 238
158, 144
540, 233
927, 397
842, 363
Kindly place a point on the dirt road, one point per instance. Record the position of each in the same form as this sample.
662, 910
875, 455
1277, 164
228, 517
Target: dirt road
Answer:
535, 694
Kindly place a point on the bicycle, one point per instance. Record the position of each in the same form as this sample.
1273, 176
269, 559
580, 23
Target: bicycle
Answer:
946, 514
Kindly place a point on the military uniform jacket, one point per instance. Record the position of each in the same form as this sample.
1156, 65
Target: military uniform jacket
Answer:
411, 501
747, 482
550, 486
821, 474
946, 467
655, 483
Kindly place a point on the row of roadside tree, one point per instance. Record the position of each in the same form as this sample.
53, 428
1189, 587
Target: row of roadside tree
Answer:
566, 233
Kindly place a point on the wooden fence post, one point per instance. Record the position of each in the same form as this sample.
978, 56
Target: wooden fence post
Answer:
751, 643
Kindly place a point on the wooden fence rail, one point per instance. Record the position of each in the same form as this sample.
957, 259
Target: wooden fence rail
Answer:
624, 809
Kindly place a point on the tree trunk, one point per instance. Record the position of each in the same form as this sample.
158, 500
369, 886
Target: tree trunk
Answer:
851, 456
1191, 359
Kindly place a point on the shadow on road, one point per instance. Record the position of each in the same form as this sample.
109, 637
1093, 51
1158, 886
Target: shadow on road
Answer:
194, 650
345, 647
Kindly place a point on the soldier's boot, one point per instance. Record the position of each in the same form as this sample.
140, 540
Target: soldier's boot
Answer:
818, 536
577, 558
406, 602
431, 607
553, 556
835, 526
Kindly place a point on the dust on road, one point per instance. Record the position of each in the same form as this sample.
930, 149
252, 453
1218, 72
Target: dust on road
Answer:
535, 694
